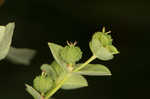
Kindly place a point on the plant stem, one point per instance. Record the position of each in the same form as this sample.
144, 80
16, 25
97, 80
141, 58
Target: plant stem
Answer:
84, 64
51, 92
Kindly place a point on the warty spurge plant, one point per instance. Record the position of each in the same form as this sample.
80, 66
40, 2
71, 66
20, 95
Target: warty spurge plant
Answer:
64, 72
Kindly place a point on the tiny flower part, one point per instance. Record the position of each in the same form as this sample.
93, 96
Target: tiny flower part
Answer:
42, 83
104, 38
101, 45
112, 49
71, 53
70, 43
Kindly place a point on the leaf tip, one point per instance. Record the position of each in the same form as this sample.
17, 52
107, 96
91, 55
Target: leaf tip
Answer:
26, 85
49, 43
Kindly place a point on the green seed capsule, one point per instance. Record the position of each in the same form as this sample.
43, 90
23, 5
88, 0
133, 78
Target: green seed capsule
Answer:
42, 84
71, 54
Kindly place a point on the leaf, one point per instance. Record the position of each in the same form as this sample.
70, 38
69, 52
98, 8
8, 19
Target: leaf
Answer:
55, 71
95, 70
20, 55
55, 49
75, 81
2, 30
99, 51
59, 71
6, 34
49, 71
33, 92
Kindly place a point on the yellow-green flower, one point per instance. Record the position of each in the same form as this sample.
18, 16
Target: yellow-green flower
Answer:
101, 45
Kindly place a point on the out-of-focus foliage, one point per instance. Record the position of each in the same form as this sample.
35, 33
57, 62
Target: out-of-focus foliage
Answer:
6, 33
20, 55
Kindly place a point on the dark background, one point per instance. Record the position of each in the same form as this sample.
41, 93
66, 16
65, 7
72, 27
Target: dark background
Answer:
42, 21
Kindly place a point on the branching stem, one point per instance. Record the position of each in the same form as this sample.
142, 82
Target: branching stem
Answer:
84, 64
52, 92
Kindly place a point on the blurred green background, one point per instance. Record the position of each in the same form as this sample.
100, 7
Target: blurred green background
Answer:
42, 21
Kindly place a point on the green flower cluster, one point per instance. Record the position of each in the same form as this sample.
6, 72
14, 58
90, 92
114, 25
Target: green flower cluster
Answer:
64, 72
101, 45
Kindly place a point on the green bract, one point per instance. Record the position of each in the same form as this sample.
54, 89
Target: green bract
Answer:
101, 46
94, 70
112, 49
71, 54
6, 33
75, 81
57, 68
42, 84
104, 38
60, 72
33, 92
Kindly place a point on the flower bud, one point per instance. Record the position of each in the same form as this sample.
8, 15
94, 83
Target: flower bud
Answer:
42, 84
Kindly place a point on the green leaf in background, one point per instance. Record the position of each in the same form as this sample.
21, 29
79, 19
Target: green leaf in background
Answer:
56, 49
20, 55
75, 81
95, 70
6, 34
49, 71
33, 92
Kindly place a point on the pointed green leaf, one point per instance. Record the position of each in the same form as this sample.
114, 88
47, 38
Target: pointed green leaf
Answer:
6, 34
55, 49
49, 71
75, 81
33, 92
57, 68
59, 71
20, 55
95, 70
